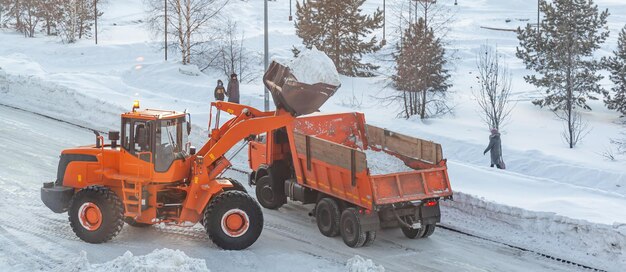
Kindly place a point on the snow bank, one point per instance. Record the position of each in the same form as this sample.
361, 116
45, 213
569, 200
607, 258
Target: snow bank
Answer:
160, 260
596, 245
20, 64
358, 264
381, 163
37, 95
313, 66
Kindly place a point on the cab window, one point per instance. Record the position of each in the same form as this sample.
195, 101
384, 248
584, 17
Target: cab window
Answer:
170, 143
141, 142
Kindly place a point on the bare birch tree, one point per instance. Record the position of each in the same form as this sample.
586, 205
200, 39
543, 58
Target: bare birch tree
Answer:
494, 93
189, 23
232, 57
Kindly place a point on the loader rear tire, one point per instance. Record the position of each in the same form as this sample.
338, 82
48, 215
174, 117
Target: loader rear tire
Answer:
267, 195
327, 216
351, 229
96, 214
233, 220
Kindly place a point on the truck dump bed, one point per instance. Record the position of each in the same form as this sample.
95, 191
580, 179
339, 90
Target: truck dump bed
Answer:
330, 153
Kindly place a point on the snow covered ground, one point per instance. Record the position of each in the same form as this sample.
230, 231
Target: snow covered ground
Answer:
34, 238
568, 203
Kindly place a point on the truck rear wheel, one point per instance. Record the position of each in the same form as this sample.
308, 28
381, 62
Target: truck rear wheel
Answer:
233, 220
351, 229
96, 214
430, 229
423, 232
267, 195
327, 216
370, 236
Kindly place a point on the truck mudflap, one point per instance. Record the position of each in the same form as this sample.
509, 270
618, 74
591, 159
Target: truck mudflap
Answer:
411, 215
369, 222
430, 214
57, 198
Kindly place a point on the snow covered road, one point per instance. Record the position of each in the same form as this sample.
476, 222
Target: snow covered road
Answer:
34, 238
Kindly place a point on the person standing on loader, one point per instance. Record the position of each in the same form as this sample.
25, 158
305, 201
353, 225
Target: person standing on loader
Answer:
495, 146
219, 91
233, 89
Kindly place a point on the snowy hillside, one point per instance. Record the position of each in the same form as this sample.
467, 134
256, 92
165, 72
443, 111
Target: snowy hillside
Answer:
567, 204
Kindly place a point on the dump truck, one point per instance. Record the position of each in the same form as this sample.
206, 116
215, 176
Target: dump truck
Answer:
322, 159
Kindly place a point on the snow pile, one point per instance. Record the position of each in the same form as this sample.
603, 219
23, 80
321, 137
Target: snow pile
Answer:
358, 264
160, 260
313, 66
381, 163
592, 244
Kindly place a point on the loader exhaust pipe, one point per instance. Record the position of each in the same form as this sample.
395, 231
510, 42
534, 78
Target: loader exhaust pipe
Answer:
98, 144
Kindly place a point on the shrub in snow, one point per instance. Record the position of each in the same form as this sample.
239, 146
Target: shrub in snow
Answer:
358, 264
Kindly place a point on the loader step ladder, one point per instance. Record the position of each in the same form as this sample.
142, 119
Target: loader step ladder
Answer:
131, 191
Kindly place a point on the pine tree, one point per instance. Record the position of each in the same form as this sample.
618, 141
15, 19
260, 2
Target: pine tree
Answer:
337, 28
561, 54
617, 66
420, 72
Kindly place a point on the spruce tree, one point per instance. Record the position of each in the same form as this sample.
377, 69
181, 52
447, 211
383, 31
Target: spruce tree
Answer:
617, 66
338, 28
420, 72
561, 55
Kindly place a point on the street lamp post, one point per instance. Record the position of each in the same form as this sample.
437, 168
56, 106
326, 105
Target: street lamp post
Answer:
538, 11
266, 98
165, 32
95, 16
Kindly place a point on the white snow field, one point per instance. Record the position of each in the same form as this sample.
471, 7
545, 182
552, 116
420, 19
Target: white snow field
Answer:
569, 204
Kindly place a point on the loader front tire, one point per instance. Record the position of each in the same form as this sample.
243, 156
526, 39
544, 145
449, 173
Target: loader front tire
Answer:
351, 229
237, 186
327, 216
96, 214
233, 220
268, 195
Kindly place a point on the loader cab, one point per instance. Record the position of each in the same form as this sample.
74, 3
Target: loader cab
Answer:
156, 136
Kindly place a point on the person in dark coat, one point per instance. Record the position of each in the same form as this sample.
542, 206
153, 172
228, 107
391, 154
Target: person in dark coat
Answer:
233, 89
495, 146
219, 91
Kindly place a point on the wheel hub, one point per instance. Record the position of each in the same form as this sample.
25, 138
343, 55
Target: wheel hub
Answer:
90, 216
268, 194
235, 223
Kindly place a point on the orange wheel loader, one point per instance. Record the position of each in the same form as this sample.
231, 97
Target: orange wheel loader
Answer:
154, 175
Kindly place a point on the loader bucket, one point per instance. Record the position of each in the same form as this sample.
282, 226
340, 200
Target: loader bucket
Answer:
296, 97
